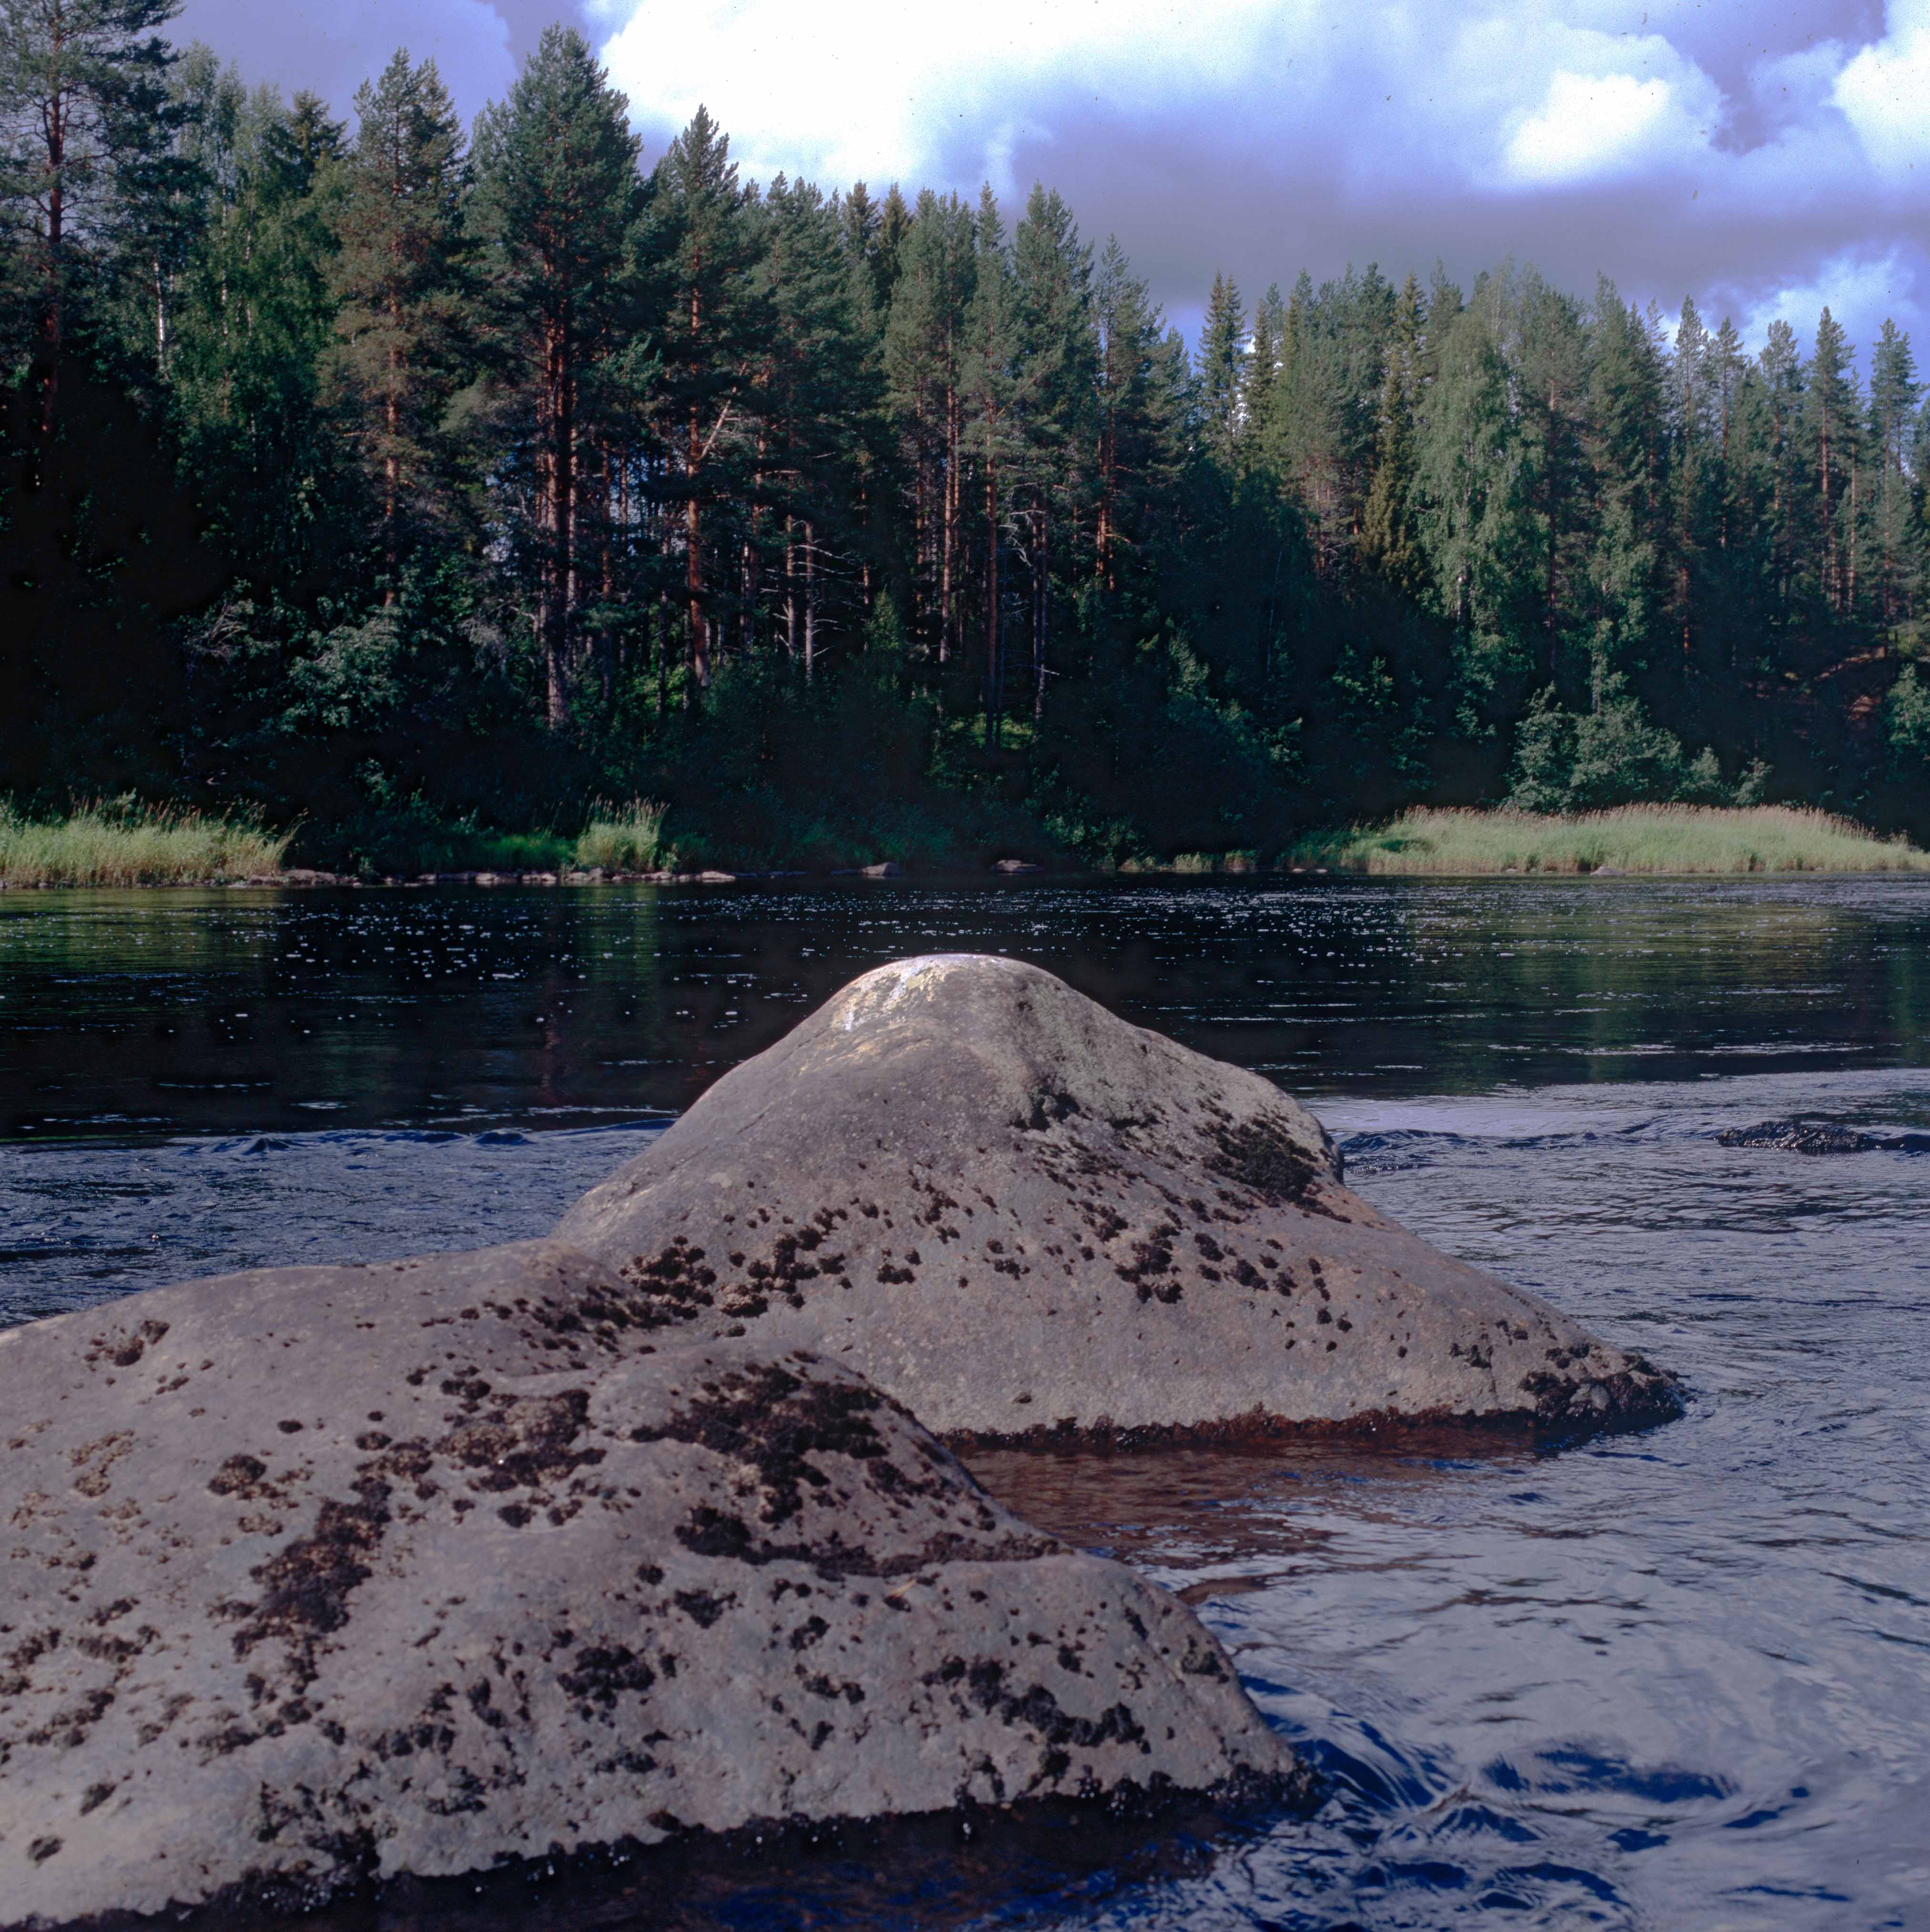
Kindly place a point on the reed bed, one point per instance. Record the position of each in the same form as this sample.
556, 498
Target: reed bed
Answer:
625, 839
123, 844
1632, 839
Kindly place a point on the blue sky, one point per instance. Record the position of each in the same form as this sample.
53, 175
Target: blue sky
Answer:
1763, 158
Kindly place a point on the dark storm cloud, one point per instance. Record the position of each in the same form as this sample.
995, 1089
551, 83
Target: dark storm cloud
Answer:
333, 46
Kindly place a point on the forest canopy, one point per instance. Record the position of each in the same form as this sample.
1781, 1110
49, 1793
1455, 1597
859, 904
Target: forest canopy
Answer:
419, 483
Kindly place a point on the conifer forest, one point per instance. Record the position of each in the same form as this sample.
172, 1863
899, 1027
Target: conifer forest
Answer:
412, 482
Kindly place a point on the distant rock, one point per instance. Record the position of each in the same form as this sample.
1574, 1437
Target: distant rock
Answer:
320, 1575
1027, 1219
1821, 1137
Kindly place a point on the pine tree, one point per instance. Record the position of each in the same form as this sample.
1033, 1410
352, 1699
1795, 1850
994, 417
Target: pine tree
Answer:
1057, 353
714, 327
820, 391
1831, 425
397, 277
992, 379
925, 350
86, 153
555, 201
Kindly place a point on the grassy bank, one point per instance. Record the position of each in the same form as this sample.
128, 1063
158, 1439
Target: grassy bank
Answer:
1650, 838
127, 844
124, 844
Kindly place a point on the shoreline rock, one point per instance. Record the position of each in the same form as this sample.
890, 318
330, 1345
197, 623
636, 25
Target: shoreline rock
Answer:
321, 1576
1031, 1222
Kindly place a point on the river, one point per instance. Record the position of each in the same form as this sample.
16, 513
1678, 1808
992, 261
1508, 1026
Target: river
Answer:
1680, 1679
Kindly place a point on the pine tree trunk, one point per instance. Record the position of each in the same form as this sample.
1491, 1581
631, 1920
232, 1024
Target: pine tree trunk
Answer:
1041, 611
949, 542
790, 587
992, 654
693, 530
810, 601
1831, 587
1849, 588
53, 319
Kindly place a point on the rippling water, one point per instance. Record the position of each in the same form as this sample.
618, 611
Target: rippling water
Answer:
1681, 1679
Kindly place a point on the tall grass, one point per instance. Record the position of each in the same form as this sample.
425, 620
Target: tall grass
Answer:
124, 844
625, 839
1653, 839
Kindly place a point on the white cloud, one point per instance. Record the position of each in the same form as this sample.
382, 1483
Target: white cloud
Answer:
1590, 126
1884, 92
871, 89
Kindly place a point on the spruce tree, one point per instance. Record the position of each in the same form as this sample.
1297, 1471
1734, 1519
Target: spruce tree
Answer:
1263, 364
1389, 545
556, 201
1894, 514
1141, 392
1222, 366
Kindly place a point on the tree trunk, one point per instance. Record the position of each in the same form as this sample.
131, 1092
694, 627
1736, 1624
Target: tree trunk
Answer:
693, 529
693, 561
558, 573
1042, 578
810, 600
991, 655
949, 541
790, 587
53, 319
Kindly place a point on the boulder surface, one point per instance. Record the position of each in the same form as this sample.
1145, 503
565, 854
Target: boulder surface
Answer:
317, 1575
1027, 1218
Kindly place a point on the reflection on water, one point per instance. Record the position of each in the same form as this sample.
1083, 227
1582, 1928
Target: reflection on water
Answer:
1679, 1679
124, 1013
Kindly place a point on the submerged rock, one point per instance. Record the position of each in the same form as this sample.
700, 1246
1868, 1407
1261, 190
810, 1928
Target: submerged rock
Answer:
1026, 1219
1821, 1137
320, 1575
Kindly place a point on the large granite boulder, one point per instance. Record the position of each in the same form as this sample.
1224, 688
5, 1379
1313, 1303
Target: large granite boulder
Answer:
1027, 1218
320, 1574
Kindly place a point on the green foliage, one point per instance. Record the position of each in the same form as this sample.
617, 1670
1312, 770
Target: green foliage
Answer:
1613, 755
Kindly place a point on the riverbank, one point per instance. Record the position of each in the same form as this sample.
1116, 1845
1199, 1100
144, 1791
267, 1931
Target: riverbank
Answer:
125, 843
1632, 839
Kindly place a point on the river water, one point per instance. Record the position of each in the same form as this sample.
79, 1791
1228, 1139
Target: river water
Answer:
1681, 1679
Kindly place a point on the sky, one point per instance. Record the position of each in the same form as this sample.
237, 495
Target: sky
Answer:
1764, 158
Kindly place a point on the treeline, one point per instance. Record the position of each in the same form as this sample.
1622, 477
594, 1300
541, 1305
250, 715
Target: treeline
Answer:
427, 484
